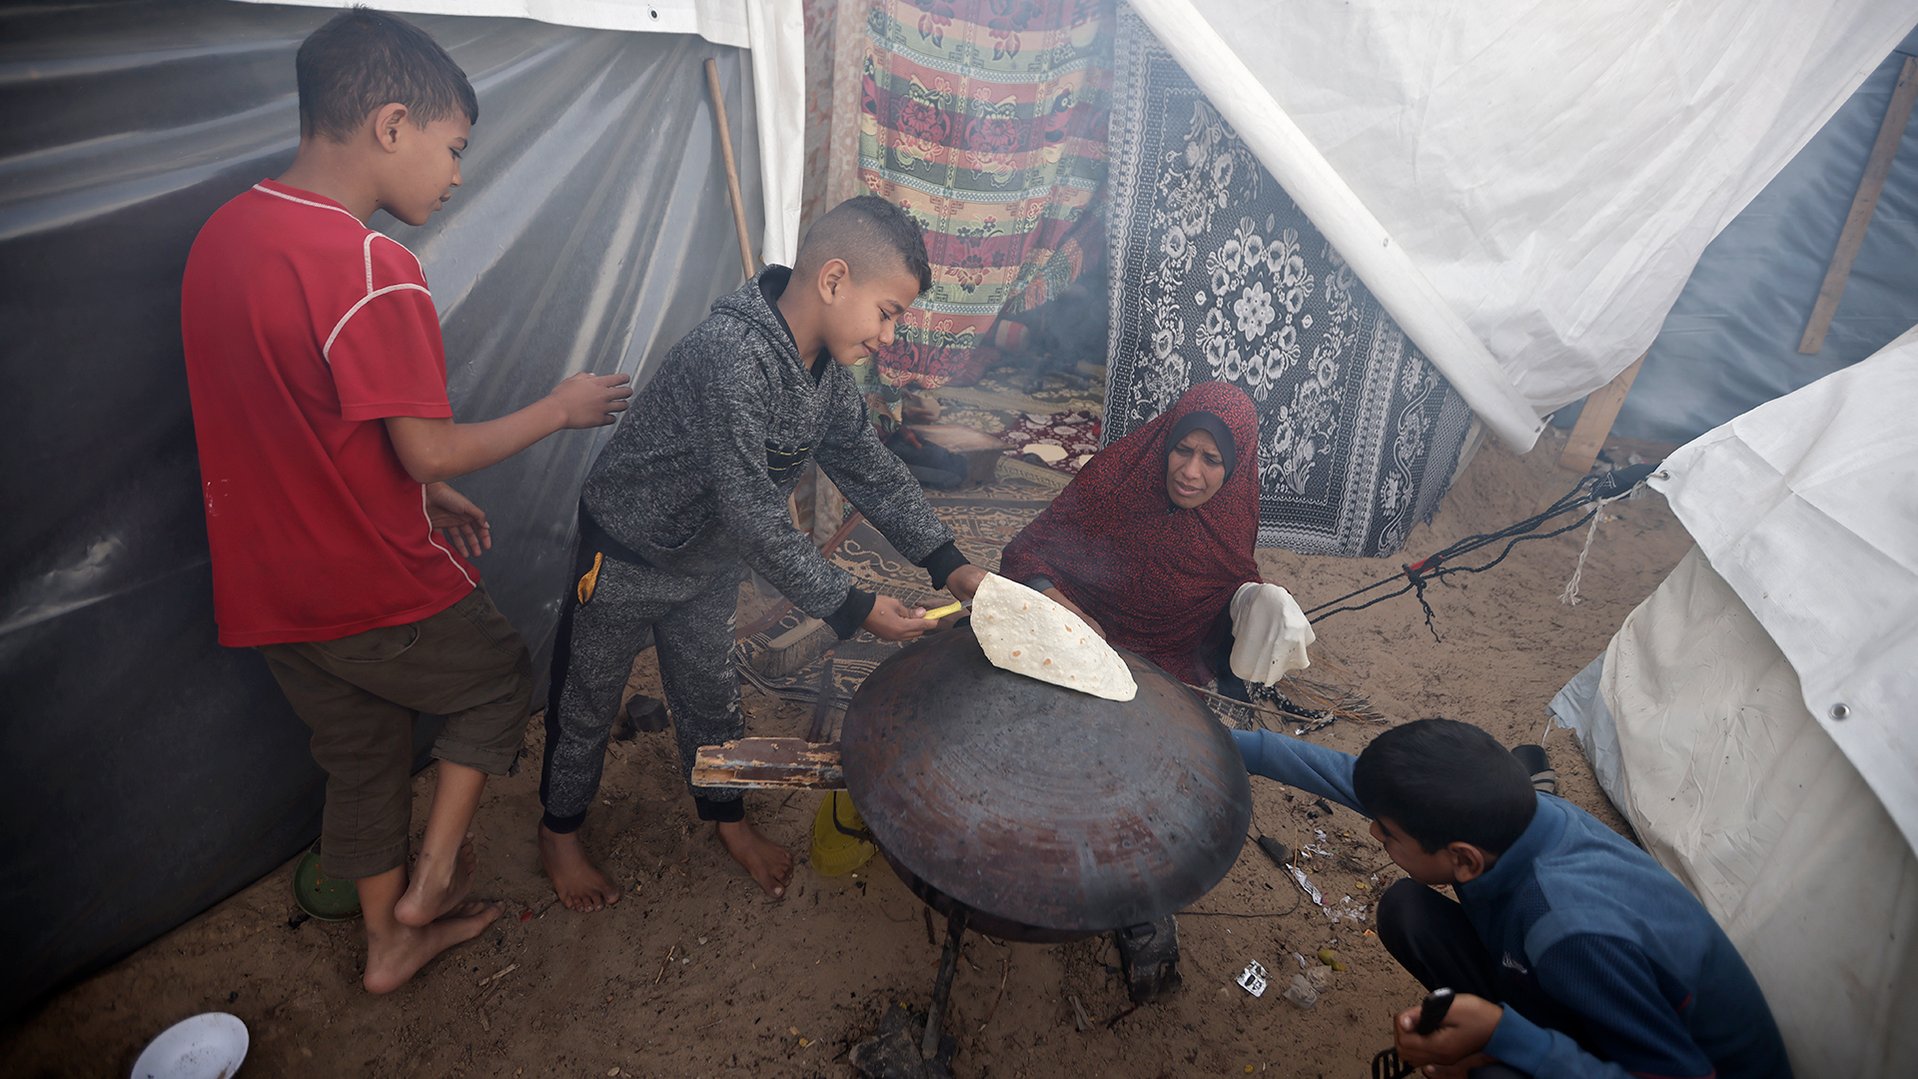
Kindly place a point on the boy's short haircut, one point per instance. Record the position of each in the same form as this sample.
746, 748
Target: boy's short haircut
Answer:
1441, 781
362, 59
866, 232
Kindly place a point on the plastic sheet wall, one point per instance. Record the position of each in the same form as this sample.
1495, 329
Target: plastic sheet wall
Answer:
152, 772
1731, 341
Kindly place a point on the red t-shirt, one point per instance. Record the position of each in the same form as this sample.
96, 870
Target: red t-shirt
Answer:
303, 330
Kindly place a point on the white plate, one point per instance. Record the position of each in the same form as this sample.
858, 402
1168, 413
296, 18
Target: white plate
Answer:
207, 1046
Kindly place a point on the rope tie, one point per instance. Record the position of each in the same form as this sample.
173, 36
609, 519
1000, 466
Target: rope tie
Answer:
1569, 594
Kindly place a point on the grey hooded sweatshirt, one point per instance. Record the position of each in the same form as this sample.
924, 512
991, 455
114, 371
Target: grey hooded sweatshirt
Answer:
696, 477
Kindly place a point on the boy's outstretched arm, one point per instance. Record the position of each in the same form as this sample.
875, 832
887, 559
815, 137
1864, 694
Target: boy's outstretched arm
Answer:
435, 450
1324, 772
876, 481
728, 402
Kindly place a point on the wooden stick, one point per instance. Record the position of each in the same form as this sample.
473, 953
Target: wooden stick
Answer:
1595, 421
732, 168
1877, 167
770, 762
1004, 973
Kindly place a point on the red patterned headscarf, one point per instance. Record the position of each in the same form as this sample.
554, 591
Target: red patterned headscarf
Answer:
1157, 578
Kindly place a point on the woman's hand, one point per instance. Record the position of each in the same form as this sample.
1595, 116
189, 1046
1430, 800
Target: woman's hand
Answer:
1269, 634
964, 582
1060, 598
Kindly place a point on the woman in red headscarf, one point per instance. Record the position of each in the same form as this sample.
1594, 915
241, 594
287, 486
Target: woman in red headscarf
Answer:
1152, 541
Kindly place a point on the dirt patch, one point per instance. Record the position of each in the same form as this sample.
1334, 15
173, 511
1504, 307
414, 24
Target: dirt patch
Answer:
695, 973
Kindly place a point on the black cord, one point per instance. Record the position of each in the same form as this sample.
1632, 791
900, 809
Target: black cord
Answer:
1585, 494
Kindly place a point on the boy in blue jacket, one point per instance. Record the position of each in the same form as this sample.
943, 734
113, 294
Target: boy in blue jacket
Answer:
1572, 952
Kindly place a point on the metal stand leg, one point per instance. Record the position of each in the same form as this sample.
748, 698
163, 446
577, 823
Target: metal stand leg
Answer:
942, 989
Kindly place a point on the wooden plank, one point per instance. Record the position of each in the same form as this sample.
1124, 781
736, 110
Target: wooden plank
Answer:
1877, 167
770, 762
1595, 420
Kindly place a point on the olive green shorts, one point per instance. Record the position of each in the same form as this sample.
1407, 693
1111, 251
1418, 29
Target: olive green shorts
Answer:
360, 695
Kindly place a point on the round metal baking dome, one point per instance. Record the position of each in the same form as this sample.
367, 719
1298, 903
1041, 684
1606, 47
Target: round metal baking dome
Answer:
1040, 807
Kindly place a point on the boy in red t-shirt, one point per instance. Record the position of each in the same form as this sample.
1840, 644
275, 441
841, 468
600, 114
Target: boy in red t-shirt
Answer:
318, 384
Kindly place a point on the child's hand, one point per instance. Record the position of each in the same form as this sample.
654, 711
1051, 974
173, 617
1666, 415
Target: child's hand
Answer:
589, 400
462, 522
892, 620
1459, 1040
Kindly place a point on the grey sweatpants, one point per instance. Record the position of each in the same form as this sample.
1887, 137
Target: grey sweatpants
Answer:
691, 620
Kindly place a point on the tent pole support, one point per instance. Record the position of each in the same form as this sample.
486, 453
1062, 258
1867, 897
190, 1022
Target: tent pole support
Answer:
1595, 420
732, 169
1877, 168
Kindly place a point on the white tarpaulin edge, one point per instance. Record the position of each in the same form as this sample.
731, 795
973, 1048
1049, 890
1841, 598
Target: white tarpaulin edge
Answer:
1551, 172
1351, 229
1808, 507
772, 30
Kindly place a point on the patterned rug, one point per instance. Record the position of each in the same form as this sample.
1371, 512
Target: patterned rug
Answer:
1216, 274
986, 120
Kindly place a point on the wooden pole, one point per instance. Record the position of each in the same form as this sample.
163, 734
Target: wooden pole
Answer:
1877, 167
1595, 420
732, 168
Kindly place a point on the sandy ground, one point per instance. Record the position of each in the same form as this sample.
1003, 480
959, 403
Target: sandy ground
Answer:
696, 973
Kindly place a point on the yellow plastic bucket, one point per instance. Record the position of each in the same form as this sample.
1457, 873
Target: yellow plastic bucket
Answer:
840, 841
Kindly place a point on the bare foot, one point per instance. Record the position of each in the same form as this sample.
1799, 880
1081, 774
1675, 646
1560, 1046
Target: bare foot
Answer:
769, 863
393, 959
576, 880
432, 890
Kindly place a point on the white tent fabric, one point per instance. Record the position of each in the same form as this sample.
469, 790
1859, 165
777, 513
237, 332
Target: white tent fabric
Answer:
1526, 187
1700, 736
772, 30
1808, 507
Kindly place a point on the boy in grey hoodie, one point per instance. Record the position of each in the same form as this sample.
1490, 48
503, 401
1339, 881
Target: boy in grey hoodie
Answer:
692, 490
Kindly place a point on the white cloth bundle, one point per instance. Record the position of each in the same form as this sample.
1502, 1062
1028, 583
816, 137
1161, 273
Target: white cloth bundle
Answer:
1269, 634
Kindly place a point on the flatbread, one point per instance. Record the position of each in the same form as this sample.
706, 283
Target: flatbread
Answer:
1027, 633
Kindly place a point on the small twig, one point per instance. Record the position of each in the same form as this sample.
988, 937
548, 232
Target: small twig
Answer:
669, 962
1000, 995
1123, 1012
497, 975
488, 984
1239, 914
1078, 1011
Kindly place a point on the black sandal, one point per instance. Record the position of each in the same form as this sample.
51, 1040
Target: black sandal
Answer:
1544, 777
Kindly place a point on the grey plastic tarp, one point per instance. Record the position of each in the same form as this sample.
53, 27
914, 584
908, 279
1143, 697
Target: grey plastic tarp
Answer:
150, 771
1730, 342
